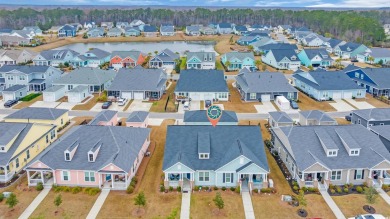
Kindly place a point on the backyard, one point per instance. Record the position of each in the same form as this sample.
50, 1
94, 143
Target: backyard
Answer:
159, 106
236, 104
307, 103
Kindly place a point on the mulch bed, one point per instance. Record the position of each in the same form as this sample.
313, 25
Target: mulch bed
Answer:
352, 190
302, 213
138, 212
369, 210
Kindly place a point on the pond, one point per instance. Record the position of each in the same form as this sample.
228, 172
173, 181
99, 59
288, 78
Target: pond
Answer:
145, 47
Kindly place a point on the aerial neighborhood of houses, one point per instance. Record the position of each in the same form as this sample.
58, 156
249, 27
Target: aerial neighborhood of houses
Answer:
315, 107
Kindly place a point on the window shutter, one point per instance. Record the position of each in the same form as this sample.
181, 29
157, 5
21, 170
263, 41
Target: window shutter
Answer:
223, 177
231, 177
362, 174
354, 176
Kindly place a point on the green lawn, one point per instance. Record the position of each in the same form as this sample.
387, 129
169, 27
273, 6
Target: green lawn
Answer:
219, 65
183, 63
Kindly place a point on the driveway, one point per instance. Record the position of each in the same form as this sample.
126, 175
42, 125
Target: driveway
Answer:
341, 106
195, 105
138, 105
45, 104
265, 107
97, 107
360, 104
66, 105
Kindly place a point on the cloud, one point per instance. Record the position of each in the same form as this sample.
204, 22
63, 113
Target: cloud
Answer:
354, 4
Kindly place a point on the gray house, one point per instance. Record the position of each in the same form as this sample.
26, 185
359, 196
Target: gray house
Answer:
222, 156
277, 119
193, 30
139, 84
317, 156
55, 57
164, 59
96, 32
14, 92
264, 86
315, 117
167, 30
199, 117
383, 133
115, 32
224, 28
201, 60
371, 117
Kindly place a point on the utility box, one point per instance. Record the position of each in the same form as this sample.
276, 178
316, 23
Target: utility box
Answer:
282, 103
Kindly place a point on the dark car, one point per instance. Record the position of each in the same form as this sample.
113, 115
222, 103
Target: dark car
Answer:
10, 103
294, 104
106, 105
207, 103
348, 117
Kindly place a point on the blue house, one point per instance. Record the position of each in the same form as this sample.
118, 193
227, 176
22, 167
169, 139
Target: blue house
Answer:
222, 156
95, 57
150, 31
132, 31
96, 32
379, 55
164, 59
350, 50
239, 29
315, 58
282, 59
375, 81
238, 60
328, 85
246, 40
67, 31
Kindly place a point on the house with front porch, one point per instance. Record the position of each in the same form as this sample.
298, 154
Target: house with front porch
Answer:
332, 43
137, 23
105, 157
167, 30
375, 81
115, 32
55, 57
285, 59
67, 31
36, 78
375, 56
350, 50
317, 156
193, 30
138, 83
150, 31
246, 40
371, 117
234, 61
315, 58
20, 143
164, 59
224, 28
96, 32
126, 59
200, 60
132, 31
221, 156
96, 57
383, 133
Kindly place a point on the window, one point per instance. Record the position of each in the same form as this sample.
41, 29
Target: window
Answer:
67, 156
228, 178
28, 154
290, 95
222, 95
204, 176
359, 174
62, 121
362, 76
356, 75
47, 138
89, 176
52, 134
325, 94
381, 123
20, 93
336, 175
2, 148
359, 93
65, 175
332, 153
359, 122
70, 87
354, 152
22, 78
17, 162
203, 156
90, 157
252, 96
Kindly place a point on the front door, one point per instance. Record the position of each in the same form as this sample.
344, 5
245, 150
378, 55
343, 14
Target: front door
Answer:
188, 176
108, 177
319, 176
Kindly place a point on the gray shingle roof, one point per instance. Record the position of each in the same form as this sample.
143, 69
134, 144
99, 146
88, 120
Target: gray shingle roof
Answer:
327, 80
349, 45
225, 25
382, 130
226, 144
334, 42
56, 54
133, 54
275, 46
54, 88
100, 54
9, 131
259, 82
167, 28
311, 53
280, 54
78, 89
306, 148
239, 55
380, 76
194, 80
380, 52
103, 116
139, 79
193, 28
15, 88
119, 145
202, 56
167, 56
201, 116
241, 28
318, 115
137, 116
27, 69
37, 113
148, 28
90, 76
375, 114
281, 117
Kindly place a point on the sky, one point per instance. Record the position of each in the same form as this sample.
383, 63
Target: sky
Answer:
221, 3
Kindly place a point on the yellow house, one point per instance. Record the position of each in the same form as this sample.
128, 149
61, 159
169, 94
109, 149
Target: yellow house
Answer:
58, 117
20, 143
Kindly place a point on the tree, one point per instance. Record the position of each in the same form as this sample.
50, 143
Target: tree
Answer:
250, 47
140, 200
155, 52
302, 200
310, 67
85, 36
58, 200
258, 63
12, 201
380, 62
263, 67
371, 196
371, 59
227, 64
218, 201
338, 62
231, 41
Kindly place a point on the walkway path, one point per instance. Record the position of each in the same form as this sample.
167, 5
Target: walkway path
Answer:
332, 205
98, 204
384, 195
185, 205
34, 204
248, 207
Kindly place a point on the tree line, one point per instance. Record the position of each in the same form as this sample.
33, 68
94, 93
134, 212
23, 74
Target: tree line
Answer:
360, 26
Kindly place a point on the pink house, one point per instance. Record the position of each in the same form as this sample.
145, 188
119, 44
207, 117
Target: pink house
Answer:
92, 156
105, 117
138, 119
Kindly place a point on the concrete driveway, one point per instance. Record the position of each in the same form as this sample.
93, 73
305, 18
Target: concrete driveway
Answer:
97, 107
138, 105
265, 107
66, 105
45, 104
360, 104
195, 105
341, 106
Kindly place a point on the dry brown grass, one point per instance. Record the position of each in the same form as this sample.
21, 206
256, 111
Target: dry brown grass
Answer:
342, 121
24, 104
127, 105
236, 104
352, 205
202, 205
24, 195
87, 106
307, 103
73, 205
159, 205
158, 106
377, 103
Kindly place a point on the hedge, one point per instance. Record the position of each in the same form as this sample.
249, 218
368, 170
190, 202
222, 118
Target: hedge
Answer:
30, 97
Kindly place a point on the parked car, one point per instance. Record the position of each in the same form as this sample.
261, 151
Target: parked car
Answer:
10, 103
106, 105
122, 101
186, 105
207, 103
294, 104
348, 117
368, 216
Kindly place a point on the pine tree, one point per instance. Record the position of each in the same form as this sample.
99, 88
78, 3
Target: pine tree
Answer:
218, 201
140, 200
12, 201
58, 200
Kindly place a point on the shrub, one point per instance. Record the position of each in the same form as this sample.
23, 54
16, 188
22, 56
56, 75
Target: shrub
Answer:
215, 188
238, 190
170, 188
310, 189
91, 191
350, 185
130, 189
295, 188
359, 189
265, 190
255, 190
232, 189
66, 189
365, 184
196, 188
304, 189
346, 190
179, 189
206, 188
30, 97
294, 183
331, 186
1, 197
76, 189
134, 179
332, 191
385, 187
132, 183
338, 189
316, 190
223, 188
162, 188
39, 186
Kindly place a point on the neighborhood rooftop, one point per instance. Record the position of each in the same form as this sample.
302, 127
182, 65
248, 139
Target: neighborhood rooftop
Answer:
201, 116
87, 76
193, 80
256, 82
137, 116
103, 116
374, 114
39, 113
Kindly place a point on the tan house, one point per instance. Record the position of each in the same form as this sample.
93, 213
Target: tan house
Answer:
14, 56
317, 156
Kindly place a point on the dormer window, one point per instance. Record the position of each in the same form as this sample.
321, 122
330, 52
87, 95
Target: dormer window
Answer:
204, 156
67, 156
2, 148
332, 153
91, 157
354, 152
293, 58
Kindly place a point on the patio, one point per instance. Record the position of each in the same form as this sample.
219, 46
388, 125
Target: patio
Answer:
120, 181
40, 176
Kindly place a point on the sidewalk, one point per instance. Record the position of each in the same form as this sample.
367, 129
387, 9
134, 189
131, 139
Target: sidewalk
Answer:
248, 207
185, 205
384, 195
34, 204
332, 205
98, 204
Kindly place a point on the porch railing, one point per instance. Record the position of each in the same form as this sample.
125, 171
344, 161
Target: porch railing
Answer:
386, 181
309, 183
4, 178
35, 181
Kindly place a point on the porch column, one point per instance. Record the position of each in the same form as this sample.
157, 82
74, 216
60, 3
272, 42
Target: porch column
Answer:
54, 177
327, 175
348, 172
28, 176
303, 176
370, 174
126, 180
166, 177
380, 174
112, 180
42, 178
265, 177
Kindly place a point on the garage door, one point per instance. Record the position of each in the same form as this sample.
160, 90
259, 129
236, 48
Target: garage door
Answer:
49, 97
195, 96
74, 98
7, 97
126, 95
138, 95
336, 95
347, 95
265, 98
208, 96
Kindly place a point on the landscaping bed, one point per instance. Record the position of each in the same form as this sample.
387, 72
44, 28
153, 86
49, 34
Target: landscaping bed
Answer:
30, 97
346, 189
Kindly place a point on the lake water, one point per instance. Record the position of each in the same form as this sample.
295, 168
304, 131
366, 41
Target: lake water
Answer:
145, 47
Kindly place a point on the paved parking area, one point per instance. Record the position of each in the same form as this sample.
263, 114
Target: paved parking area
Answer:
2, 105
265, 107
341, 106
138, 105
45, 104
155, 122
66, 105
97, 107
220, 106
360, 104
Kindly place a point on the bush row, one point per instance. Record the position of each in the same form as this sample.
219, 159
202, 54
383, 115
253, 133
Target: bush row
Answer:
30, 97
88, 190
131, 187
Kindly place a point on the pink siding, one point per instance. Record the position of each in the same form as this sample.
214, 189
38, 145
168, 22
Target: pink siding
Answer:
141, 155
38, 165
112, 122
138, 124
76, 178
111, 167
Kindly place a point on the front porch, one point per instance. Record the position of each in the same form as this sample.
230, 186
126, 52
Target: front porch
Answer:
40, 176
319, 179
114, 180
5, 175
184, 180
250, 181
37, 85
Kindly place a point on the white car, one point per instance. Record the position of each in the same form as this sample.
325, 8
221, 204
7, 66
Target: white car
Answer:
368, 216
122, 101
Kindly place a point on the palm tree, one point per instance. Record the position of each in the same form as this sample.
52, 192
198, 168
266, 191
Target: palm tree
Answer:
338, 62
227, 64
371, 59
